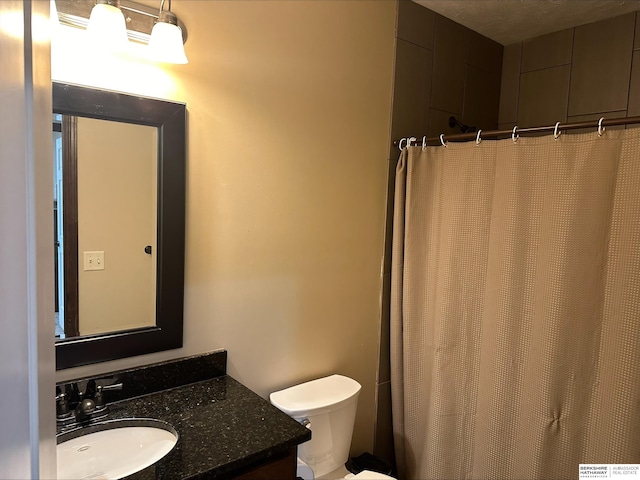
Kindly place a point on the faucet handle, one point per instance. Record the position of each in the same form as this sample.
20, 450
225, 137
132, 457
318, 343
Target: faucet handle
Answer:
99, 399
62, 407
112, 386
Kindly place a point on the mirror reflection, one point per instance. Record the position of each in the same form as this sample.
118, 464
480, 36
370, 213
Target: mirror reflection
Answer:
105, 211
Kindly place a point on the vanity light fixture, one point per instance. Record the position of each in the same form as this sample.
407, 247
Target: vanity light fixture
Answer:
166, 44
138, 21
107, 26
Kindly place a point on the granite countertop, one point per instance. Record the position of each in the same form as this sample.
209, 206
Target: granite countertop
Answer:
223, 427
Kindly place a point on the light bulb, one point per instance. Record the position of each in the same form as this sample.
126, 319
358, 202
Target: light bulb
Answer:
165, 44
107, 27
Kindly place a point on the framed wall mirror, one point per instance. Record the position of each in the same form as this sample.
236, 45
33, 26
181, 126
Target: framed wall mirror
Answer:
119, 214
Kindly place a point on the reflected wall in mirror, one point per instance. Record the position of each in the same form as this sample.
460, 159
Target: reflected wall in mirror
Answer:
119, 194
117, 182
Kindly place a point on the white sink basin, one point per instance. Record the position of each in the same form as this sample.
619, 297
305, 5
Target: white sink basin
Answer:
114, 449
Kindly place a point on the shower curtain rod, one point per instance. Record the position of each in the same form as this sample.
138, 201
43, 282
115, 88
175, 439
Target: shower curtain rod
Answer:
559, 127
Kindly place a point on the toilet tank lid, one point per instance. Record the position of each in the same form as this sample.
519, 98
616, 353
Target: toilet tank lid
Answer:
315, 395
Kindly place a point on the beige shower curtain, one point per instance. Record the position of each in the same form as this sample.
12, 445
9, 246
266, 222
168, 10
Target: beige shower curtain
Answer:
515, 322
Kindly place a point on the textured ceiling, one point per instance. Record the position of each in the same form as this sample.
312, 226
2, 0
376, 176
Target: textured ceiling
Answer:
510, 21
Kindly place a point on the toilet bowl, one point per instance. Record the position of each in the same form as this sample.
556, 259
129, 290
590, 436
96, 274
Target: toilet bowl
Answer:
327, 406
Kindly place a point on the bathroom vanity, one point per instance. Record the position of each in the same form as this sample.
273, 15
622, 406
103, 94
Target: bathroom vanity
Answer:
224, 429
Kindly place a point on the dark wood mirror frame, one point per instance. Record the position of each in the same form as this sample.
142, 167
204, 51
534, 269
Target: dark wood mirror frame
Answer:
170, 119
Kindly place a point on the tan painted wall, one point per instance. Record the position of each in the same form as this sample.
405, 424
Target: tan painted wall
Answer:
288, 133
117, 215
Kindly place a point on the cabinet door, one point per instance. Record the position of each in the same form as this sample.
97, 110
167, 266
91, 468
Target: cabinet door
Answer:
281, 468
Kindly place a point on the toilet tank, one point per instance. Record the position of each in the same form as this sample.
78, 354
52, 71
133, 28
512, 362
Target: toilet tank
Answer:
329, 404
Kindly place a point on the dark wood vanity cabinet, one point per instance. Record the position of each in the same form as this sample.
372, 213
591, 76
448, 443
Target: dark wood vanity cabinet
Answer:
281, 468
239, 435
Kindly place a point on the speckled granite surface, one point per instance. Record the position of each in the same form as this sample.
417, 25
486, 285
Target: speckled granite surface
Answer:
161, 376
224, 428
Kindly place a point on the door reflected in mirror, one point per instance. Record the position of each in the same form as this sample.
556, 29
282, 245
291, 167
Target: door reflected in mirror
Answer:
105, 211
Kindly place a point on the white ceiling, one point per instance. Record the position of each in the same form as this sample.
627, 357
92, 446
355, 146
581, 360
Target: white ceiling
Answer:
511, 21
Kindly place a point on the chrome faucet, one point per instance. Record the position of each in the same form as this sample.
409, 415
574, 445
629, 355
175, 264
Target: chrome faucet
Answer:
83, 401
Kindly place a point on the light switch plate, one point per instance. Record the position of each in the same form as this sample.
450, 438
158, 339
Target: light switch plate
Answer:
94, 260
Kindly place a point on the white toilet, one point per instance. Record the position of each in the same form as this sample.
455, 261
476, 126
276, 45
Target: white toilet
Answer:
327, 406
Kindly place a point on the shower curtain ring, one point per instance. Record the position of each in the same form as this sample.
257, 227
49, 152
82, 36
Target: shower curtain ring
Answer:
424, 142
601, 129
400, 143
556, 132
478, 139
444, 144
514, 136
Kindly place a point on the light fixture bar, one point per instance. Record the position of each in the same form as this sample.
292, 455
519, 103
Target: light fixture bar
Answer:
140, 19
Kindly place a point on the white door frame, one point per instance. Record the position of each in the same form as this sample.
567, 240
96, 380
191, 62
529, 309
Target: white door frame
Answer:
27, 360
